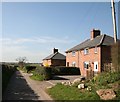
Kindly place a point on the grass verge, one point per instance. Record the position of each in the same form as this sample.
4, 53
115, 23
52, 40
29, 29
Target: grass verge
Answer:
62, 92
102, 81
37, 77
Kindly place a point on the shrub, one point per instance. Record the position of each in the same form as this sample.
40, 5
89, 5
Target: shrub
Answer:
37, 77
62, 70
30, 68
106, 78
43, 72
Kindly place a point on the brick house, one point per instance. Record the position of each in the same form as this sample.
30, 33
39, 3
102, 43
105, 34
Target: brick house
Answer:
91, 54
55, 59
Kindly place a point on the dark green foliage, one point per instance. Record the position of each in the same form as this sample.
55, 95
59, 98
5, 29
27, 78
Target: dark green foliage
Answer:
106, 78
30, 68
43, 72
116, 56
62, 70
7, 72
47, 72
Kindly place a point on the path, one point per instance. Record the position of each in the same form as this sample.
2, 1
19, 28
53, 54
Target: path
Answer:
21, 87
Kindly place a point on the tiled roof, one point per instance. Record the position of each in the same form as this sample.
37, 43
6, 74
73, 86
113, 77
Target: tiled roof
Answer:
99, 40
56, 55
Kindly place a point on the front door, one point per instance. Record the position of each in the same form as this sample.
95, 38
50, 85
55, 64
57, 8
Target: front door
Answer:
95, 67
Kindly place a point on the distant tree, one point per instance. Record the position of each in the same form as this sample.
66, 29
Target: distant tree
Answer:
21, 61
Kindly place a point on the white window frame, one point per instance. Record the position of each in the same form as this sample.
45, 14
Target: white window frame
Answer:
87, 63
86, 51
73, 53
96, 49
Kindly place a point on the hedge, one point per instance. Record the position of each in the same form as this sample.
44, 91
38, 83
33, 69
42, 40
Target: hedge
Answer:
62, 70
7, 72
30, 68
44, 72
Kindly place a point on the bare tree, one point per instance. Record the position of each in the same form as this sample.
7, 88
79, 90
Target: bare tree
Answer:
21, 61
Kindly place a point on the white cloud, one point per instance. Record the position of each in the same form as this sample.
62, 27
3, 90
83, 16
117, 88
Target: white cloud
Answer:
13, 48
8, 41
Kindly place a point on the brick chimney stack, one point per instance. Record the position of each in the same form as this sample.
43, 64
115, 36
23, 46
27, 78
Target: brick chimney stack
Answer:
94, 33
55, 50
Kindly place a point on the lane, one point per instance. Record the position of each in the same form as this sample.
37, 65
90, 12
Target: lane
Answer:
18, 89
21, 87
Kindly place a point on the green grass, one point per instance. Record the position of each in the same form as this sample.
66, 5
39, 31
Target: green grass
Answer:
22, 69
102, 81
62, 92
37, 77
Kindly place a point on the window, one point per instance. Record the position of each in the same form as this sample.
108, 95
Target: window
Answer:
73, 64
67, 64
86, 65
73, 53
96, 50
86, 51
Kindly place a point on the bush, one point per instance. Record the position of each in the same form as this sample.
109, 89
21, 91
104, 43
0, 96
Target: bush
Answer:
106, 78
62, 70
37, 77
43, 72
30, 68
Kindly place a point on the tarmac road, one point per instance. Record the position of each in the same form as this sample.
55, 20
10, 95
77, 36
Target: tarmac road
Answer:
21, 87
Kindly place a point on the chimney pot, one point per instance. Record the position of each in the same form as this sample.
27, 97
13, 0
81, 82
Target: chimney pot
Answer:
55, 50
95, 33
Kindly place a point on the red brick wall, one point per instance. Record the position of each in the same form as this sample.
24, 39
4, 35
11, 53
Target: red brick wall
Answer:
58, 62
80, 58
47, 62
54, 62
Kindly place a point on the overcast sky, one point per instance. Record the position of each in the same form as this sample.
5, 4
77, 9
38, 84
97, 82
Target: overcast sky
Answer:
33, 29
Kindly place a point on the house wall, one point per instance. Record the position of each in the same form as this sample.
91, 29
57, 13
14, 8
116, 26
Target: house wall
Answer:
70, 58
54, 62
58, 62
47, 62
80, 58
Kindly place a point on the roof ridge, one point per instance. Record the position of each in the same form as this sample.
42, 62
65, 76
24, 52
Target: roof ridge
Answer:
54, 55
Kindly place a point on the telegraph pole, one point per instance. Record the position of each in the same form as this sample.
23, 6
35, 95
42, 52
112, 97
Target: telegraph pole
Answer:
114, 20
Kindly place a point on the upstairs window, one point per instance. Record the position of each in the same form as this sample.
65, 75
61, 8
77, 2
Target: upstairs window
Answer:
95, 49
86, 51
73, 53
